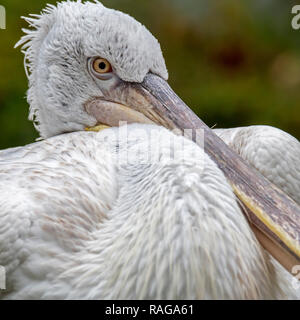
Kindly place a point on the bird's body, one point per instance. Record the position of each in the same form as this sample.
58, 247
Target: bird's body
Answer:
95, 225
88, 215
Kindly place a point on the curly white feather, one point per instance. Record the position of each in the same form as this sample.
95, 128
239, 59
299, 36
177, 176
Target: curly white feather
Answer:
56, 50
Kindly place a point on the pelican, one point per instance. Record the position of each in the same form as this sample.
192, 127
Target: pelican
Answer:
114, 214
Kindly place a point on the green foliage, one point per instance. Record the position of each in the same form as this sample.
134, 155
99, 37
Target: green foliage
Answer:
234, 62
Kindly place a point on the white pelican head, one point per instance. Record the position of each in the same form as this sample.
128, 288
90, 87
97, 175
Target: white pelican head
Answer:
80, 51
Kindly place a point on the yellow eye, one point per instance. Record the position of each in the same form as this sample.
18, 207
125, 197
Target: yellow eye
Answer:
101, 65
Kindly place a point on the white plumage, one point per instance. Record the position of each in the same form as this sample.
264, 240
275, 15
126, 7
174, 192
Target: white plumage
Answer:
107, 215
273, 152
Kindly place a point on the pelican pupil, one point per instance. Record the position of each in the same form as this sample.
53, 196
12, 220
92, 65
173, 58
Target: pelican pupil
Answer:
102, 65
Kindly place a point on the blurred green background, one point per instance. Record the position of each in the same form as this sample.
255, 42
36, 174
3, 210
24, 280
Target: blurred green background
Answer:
235, 63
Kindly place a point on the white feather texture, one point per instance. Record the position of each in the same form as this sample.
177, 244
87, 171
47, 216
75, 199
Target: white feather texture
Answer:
273, 152
91, 225
78, 220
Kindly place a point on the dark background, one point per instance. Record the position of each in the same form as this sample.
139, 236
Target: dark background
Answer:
235, 62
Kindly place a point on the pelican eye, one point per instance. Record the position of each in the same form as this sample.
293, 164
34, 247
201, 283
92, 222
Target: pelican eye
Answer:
101, 65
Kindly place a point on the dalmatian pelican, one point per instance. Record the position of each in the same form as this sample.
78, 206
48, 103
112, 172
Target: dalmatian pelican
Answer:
114, 214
